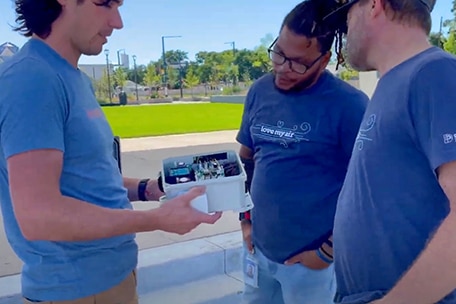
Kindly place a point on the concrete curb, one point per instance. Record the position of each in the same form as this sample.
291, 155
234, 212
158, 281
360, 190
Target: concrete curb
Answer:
166, 266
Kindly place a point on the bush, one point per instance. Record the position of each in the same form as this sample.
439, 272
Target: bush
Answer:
231, 90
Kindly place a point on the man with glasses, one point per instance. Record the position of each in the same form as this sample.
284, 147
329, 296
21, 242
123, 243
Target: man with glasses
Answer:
297, 133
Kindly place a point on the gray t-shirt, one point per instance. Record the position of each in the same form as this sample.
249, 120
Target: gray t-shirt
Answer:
391, 202
302, 142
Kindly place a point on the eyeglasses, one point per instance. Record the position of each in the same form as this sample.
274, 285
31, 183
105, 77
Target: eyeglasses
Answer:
295, 66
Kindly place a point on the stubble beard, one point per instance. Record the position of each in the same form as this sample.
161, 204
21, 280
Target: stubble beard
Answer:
356, 55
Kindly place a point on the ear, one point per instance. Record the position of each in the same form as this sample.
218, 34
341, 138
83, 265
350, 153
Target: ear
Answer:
62, 2
377, 8
325, 60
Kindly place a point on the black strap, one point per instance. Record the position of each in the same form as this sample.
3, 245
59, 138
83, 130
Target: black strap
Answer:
249, 166
160, 182
142, 189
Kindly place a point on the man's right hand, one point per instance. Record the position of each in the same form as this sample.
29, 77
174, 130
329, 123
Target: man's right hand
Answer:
246, 227
178, 216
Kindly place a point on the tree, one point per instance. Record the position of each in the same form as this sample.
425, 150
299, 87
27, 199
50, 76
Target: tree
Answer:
102, 87
349, 74
437, 39
176, 56
151, 78
452, 22
450, 44
260, 62
140, 72
120, 77
210, 67
233, 73
173, 77
191, 79
246, 79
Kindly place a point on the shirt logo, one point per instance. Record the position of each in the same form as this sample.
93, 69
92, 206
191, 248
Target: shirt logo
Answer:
449, 138
95, 113
364, 130
281, 134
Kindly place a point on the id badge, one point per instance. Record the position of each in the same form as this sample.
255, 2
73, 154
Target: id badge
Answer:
251, 271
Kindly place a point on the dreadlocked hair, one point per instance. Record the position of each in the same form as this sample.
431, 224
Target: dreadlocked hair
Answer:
339, 46
306, 19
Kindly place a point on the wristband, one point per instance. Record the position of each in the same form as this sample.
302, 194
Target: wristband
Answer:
142, 189
326, 253
322, 257
160, 183
245, 216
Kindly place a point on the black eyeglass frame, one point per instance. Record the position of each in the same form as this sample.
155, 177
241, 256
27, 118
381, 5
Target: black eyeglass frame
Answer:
291, 61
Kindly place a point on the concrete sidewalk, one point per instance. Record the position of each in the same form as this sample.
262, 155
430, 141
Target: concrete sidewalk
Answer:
166, 260
177, 273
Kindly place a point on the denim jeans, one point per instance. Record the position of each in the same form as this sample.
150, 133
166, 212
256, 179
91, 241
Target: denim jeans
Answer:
289, 284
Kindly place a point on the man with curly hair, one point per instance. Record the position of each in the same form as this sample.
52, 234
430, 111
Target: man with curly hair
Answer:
66, 207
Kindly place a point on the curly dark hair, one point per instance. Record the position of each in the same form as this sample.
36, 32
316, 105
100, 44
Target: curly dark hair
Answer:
36, 16
306, 19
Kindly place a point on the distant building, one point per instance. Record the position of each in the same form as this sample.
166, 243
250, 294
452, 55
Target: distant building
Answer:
95, 71
7, 50
368, 82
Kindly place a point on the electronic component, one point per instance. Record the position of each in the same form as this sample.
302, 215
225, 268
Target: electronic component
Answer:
222, 173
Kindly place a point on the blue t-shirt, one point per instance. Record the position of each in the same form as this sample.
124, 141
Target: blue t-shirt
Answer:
302, 143
391, 202
45, 103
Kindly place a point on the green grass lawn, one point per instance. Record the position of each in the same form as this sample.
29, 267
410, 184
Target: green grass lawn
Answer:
151, 120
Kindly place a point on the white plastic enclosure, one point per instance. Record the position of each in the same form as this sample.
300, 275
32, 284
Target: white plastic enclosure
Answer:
222, 173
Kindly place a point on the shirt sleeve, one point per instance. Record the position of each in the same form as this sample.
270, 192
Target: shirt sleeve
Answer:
32, 108
432, 102
244, 136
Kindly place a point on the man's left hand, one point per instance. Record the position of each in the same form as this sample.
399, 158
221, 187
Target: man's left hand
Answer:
309, 259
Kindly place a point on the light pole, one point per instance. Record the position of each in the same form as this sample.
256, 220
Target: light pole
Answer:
118, 56
109, 76
165, 67
440, 33
136, 77
181, 80
233, 44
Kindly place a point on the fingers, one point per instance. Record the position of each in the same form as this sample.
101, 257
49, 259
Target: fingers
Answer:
250, 246
210, 218
293, 260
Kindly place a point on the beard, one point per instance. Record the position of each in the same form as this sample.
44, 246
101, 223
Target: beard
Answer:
356, 50
356, 58
301, 85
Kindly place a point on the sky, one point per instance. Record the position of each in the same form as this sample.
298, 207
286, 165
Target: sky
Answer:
204, 25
